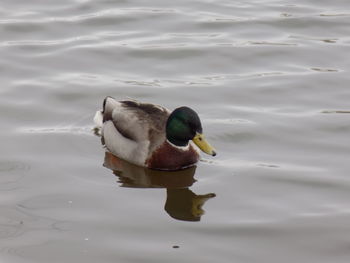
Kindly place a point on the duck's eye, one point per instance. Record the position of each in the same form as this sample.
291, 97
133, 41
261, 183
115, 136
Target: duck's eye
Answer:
200, 138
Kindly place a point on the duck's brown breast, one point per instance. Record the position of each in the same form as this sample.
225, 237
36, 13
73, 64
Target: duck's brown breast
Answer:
168, 157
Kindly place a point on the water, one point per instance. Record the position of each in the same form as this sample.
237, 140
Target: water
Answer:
269, 80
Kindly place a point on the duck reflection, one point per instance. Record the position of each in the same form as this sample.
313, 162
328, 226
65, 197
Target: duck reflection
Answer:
181, 202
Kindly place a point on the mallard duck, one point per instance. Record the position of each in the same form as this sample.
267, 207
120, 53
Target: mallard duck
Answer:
150, 135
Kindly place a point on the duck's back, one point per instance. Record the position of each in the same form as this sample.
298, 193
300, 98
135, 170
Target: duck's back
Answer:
142, 125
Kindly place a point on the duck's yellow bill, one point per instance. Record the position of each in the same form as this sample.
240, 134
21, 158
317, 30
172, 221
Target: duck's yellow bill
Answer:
202, 144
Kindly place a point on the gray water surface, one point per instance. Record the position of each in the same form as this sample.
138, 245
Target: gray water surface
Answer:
270, 81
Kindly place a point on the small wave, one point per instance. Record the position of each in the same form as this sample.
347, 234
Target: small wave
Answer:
59, 130
335, 111
325, 69
335, 14
9, 166
267, 43
229, 121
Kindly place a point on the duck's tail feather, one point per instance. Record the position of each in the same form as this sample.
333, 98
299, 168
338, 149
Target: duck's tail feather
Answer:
101, 116
98, 119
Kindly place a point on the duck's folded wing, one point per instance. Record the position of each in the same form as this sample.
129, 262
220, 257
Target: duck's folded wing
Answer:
134, 120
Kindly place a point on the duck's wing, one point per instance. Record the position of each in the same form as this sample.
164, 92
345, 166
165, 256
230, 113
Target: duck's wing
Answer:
133, 130
135, 120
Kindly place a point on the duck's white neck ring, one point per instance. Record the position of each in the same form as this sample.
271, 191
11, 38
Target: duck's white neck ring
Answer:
183, 148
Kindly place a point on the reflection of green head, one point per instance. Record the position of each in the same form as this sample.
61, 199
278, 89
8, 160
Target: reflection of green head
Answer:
183, 204
182, 125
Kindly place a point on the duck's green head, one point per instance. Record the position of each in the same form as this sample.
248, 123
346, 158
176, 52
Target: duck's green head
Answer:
184, 125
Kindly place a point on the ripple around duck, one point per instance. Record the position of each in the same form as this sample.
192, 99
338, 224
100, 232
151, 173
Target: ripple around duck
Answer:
57, 130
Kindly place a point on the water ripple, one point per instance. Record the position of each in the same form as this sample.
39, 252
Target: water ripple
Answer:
57, 130
103, 14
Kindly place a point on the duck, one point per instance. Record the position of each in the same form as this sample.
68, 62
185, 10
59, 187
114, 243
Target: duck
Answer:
150, 135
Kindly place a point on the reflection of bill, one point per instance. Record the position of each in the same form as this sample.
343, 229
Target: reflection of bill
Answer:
181, 203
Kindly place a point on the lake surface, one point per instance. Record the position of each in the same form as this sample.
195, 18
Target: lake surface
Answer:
270, 81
